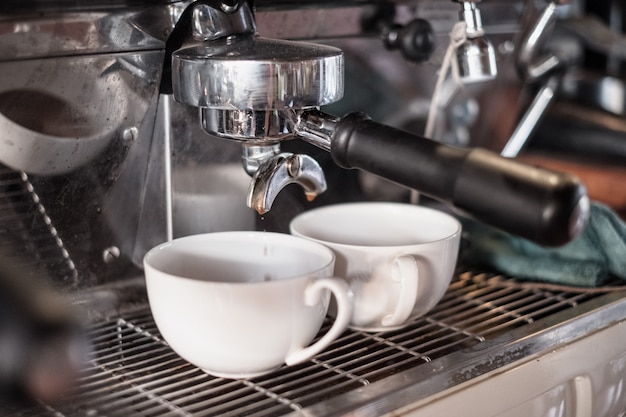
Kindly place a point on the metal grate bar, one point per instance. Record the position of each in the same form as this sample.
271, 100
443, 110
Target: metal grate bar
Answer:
479, 312
229, 400
28, 232
304, 379
13, 209
114, 354
146, 373
273, 395
135, 372
364, 349
6, 180
139, 328
262, 408
327, 390
10, 194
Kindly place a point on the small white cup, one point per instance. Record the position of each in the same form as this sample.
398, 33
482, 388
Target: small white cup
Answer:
240, 304
399, 259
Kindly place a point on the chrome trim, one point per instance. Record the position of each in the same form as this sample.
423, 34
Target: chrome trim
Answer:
258, 127
251, 73
92, 32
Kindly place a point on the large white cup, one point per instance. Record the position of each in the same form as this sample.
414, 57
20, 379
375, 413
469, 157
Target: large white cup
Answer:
399, 259
240, 304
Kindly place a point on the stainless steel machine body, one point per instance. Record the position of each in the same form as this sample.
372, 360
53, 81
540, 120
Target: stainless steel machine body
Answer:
100, 162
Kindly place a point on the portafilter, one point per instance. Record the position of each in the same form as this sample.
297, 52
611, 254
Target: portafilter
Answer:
262, 91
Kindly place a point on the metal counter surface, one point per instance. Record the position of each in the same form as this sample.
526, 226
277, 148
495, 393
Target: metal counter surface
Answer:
482, 324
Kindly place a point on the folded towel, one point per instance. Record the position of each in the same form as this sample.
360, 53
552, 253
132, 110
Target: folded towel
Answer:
590, 260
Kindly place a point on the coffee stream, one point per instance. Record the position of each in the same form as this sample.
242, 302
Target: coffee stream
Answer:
267, 276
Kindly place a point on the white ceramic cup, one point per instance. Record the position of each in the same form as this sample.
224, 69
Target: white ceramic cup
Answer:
398, 258
241, 304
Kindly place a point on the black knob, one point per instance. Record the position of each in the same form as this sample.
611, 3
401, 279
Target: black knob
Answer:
415, 40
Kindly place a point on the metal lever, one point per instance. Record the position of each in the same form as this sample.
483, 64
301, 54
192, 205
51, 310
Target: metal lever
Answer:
531, 118
281, 170
532, 68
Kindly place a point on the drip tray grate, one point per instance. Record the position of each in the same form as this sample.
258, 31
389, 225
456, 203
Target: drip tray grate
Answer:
134, 372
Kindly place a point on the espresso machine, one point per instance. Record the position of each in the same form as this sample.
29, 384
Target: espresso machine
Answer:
128, 123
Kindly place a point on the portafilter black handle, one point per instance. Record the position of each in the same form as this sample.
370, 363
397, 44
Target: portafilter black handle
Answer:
547, 207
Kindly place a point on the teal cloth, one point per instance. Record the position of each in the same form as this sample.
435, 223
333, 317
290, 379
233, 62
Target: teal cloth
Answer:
597, 255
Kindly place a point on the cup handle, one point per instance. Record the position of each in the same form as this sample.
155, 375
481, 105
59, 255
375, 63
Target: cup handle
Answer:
343, 296
404, 270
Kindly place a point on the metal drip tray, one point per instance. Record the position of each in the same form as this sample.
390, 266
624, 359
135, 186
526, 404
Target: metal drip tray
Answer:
134, 372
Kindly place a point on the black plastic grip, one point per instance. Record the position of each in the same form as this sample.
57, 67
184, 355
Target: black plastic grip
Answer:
541, 205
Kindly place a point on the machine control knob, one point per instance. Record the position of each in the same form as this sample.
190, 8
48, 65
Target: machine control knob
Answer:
415, 40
